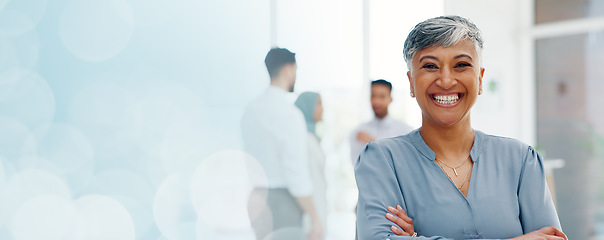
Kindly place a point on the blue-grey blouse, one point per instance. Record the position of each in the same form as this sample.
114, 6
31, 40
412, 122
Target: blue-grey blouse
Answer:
507, 197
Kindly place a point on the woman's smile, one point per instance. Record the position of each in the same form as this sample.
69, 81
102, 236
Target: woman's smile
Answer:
446, 99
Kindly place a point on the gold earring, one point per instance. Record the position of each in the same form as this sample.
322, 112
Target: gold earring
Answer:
412, 95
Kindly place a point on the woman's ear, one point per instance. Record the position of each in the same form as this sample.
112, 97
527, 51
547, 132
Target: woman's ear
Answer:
480, 80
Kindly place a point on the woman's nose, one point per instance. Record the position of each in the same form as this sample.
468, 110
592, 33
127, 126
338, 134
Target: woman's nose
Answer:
446, 80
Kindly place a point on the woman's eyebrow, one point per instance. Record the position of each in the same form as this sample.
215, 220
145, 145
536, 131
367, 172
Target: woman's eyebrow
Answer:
430, 57
463, 55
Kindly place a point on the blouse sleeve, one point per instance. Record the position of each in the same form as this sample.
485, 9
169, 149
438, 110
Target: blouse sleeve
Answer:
378, 188
536, 206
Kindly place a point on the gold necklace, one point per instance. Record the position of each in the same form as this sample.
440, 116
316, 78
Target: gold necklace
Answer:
454, 168
464, 180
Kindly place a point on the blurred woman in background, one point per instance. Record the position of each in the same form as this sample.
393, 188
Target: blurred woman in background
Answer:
310, 105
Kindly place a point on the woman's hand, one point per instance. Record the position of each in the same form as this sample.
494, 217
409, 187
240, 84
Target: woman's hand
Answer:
546, 233
400, 218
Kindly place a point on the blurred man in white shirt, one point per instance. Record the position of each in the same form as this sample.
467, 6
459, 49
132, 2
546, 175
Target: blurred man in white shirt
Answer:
274, 132
382, 125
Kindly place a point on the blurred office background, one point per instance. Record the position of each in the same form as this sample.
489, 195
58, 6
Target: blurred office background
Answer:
120, 119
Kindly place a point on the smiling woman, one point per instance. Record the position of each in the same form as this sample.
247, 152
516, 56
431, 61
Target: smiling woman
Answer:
447, 180
446, 81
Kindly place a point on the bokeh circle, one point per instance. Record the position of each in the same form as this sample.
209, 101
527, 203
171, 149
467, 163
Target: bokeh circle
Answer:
96, 30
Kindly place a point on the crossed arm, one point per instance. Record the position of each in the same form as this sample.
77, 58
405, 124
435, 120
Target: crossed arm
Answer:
380, 172
399, 217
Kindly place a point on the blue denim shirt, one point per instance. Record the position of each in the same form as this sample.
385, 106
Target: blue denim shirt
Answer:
507, 197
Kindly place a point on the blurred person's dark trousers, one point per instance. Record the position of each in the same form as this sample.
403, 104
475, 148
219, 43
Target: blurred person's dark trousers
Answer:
271, 209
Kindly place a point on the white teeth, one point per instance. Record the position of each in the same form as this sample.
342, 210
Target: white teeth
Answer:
450, 99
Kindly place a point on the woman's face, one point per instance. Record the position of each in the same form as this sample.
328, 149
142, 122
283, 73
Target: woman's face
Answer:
318, 115
446, 82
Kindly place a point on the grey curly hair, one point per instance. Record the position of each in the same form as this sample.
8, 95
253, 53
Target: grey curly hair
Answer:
442, 31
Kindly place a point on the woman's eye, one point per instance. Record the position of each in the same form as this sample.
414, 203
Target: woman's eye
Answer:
430, 66
463, 64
